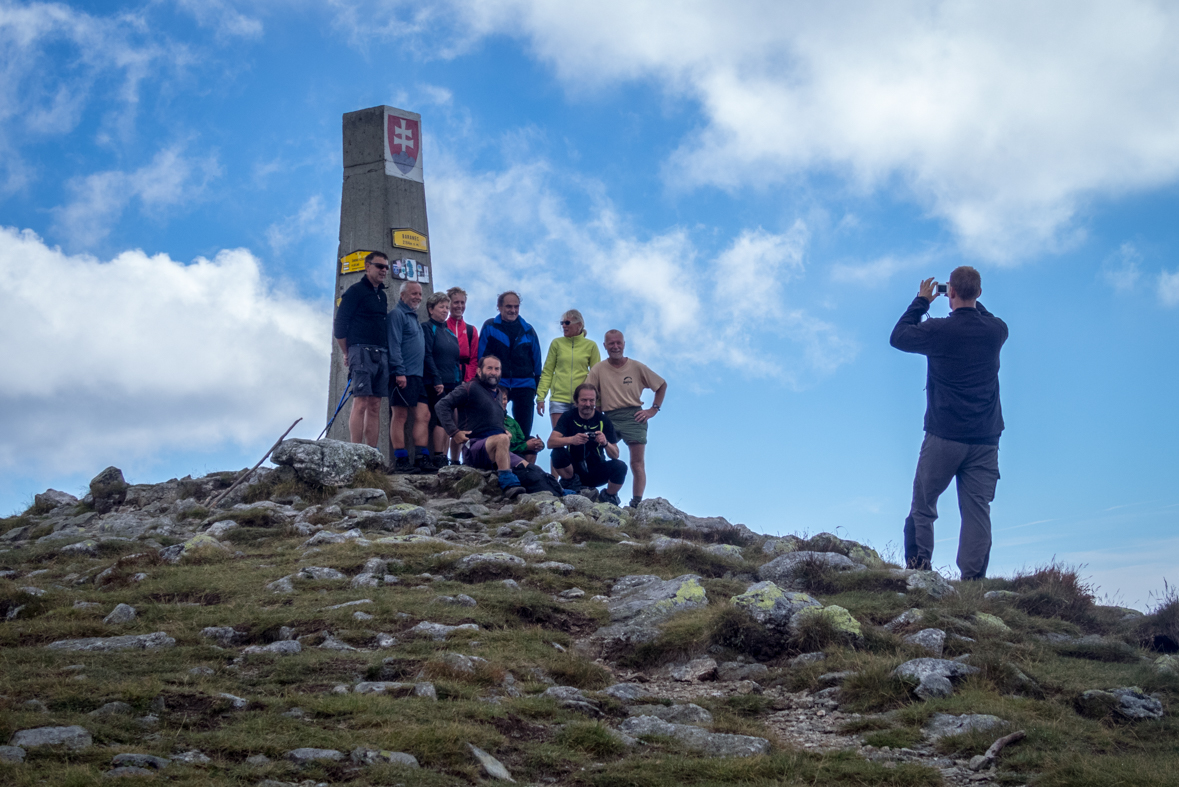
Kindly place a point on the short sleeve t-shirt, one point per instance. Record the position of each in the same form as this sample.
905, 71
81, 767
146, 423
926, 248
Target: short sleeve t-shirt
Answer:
570, 423
623, 387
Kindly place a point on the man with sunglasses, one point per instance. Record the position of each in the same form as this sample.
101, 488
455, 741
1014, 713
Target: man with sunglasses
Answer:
360, 328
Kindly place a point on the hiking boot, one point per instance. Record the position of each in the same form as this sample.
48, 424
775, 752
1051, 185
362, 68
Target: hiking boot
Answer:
919, 563
404, 466
607, 497
441, 461
634, 503
512, 492
572, 484
425, 465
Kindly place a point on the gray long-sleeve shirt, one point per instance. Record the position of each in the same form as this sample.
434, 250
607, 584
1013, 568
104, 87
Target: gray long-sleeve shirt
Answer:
407, 346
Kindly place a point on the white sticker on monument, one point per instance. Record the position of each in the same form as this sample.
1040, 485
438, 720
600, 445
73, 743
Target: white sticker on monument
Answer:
423, 273
403, 144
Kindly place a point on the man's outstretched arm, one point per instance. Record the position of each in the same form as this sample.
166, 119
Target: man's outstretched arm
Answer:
910, 334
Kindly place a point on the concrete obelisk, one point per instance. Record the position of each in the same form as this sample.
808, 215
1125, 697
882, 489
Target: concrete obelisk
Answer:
382, 208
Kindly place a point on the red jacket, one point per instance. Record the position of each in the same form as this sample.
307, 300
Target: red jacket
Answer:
468, 339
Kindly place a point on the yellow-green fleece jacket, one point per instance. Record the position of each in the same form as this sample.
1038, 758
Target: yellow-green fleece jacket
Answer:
565, 368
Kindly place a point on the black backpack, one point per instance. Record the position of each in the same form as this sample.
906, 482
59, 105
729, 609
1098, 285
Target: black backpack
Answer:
533, 479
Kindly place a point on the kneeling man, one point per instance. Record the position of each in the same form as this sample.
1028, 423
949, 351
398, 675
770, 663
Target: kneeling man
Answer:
485, 442
581, 442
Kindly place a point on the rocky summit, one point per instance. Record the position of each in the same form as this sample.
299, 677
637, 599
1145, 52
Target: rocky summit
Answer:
327, 623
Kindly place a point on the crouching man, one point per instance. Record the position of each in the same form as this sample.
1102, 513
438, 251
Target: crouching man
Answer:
585, 447
485, 441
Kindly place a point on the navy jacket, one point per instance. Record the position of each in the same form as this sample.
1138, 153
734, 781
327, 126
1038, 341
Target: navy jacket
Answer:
407, 346
360, 317
962, 382
442, 355
518, 349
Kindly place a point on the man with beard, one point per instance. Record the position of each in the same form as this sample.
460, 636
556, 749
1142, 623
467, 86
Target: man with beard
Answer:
486, 443
585, 447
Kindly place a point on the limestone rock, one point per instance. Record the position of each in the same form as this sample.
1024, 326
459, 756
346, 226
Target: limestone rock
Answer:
1000, 595
201, 541
402, 515
627, 692
789, 570
112, 709
942, 725
302, 756
713, 744
657, 510
557, 567
283, 647
1167, 664
74, 738
141, 761
771, 606
991, 623
839, 618
904, 619
739, 670
933, 675
127, 770
781, 546
930, 582
328, 537
128, 642
440, 631
639, 602
491, 560
676, 714
350, 498
326, 462
491, 766
365, 755
88, 547
12, 754
219, 529
122, 613
108, 489
320, 573
1128, 702
695, 670
931, 640
52, 498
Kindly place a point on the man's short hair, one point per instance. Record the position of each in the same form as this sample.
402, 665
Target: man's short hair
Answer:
404, 285
373, 254
499, 301
613, 330
489, 357
966, 282
453, 291
436, 299
584, 387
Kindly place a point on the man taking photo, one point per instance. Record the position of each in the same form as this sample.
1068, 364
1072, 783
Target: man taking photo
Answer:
963, 417
585, 447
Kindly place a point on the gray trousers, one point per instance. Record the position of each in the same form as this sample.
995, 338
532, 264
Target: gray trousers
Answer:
977, 469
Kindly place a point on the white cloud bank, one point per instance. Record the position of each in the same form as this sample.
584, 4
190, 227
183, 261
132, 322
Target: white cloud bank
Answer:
139, 354
1001, 118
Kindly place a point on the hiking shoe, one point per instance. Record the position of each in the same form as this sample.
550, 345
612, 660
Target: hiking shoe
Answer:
634, 502
441, 461
607, 497
425, 465
404, 466
512, 492
572, 484
919, 563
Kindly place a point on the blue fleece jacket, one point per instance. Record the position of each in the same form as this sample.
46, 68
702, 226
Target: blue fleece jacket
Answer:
407, 345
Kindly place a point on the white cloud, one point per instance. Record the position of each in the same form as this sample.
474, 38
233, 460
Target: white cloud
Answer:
1122, 269
139, 355
679, 303
222, 17
1000, 118
1169, 288
874, 273
98, 200
313, 219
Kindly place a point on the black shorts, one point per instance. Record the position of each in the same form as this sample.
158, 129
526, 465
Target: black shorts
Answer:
368, 366
411, 395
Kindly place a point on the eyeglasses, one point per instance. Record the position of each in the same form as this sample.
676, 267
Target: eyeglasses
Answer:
566, 322
379, 267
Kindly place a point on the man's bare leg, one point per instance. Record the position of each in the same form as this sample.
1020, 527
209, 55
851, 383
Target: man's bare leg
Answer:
421, 426
638, 468
497, 448
397, 427
365, 420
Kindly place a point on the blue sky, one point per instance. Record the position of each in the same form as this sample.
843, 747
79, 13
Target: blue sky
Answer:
750, 190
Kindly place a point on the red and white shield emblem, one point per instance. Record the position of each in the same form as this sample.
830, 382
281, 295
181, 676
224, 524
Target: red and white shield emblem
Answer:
405, 142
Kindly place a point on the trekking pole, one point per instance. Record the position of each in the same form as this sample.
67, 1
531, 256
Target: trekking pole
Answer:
213, 501
343, 400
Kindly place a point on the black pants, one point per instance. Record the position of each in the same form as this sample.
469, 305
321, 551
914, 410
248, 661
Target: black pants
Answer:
523, 407
612, 471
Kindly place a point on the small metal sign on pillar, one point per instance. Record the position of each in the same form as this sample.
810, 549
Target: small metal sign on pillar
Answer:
382, 208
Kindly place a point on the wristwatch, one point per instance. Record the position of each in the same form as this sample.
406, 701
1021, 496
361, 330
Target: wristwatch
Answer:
656, 407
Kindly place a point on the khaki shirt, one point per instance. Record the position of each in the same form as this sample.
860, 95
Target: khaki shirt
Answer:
622, 387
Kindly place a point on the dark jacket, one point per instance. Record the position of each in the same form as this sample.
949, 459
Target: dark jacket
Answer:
483, 415
407, 346
360, 317
442, 355
516, 345
962, 382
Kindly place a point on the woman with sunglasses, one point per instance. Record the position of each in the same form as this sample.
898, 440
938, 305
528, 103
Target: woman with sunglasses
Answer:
569, 360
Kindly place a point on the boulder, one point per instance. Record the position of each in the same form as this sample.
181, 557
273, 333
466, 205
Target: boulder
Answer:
929, 582
627, 692
658, 511
128, 642
1128, 702
12, 754
491, 766
366, 755
108, 490
402, 515
740, 670
74, 738
140, 761
122, 613
320, 573
839, 618
112, 709
904, 619
52, 498
639, 602
326, 462
943, 725
440, 631
781, 546
491, 560
695, 670
931, 640
303, 756
199, 542
328, 537
283, 647
933, 675
771, 606
991, 623
713, 744
1167, 664
676, 714
350, 498
790, 570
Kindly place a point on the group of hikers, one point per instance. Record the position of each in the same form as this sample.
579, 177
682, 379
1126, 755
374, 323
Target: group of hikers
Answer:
458, 381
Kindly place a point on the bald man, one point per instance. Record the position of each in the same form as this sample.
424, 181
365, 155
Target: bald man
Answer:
621, 382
